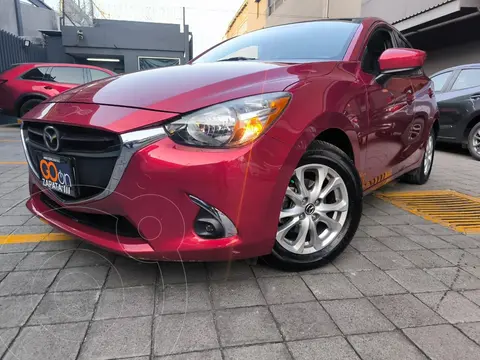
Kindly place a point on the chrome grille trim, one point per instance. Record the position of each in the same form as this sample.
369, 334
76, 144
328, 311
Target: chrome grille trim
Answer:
27, 155
131, 143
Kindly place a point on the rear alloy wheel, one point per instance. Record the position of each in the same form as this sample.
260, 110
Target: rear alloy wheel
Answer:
474, 142
28, 105
421, 175
320, 212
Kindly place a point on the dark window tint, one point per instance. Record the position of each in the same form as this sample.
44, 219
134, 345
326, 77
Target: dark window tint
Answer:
380, 41
97, 74
35, 74
145, 63
67, 75
402, 42
440, 80
466, 79
296, 43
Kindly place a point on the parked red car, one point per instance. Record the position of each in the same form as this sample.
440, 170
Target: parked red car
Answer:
24, 86
262, 146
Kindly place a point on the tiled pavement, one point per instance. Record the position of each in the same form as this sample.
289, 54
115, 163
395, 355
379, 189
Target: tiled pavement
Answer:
404, 289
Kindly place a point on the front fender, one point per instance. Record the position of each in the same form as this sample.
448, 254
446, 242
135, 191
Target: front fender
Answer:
321, 104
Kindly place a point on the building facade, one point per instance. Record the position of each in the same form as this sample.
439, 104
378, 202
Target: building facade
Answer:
257, 14
121, 46
445, 29
288, 11
250, 16
25, 18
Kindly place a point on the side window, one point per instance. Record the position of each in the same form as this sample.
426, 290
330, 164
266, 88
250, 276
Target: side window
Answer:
380, 41
402, 42
440, 80
38, 73
466, 79
97, 74
67, 75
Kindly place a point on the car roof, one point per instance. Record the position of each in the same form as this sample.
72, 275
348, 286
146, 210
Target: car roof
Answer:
31, 64
28, 66
51, 64
453, 68
357, 20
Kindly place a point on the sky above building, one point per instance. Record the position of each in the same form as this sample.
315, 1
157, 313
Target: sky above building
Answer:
208, 20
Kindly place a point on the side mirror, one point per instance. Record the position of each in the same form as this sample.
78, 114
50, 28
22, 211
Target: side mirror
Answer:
399, 61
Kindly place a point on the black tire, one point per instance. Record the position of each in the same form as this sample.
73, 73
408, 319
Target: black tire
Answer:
326, 154
475, 152
418, 176
28, 105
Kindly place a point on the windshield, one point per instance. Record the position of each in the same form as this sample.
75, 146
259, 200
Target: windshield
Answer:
300, 42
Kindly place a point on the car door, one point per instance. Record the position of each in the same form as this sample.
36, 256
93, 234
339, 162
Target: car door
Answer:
459, 103
423, 111
62, 78
390, 109
35, 81
441, 82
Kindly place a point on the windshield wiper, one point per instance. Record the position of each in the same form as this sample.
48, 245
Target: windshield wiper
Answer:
238, 58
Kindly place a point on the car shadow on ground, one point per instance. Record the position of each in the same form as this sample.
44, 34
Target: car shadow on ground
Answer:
452, 148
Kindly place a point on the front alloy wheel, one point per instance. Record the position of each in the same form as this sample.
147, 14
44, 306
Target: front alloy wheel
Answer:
320, 212
314, 210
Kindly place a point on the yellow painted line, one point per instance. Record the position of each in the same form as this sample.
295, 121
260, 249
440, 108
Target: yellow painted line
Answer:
27, 238
58, 237
13, 163
9, 140
449, 208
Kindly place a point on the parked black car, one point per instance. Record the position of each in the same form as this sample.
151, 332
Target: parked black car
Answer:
457, 90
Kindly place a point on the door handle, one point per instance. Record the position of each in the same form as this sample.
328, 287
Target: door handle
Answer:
47, 87
475, 96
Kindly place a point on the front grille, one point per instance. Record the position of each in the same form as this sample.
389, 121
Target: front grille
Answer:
112, 224
94, 153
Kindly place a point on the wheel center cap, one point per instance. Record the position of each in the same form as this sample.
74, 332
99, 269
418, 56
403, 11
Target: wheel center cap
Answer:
309, 209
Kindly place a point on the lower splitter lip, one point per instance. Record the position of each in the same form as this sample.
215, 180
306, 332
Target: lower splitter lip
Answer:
190, 248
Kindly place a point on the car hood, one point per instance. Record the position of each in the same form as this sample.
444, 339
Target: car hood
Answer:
180, 89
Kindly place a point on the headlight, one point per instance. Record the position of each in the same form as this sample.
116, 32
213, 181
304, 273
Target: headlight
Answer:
229, 124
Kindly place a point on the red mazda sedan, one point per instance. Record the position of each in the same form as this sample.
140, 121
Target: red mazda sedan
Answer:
262, 146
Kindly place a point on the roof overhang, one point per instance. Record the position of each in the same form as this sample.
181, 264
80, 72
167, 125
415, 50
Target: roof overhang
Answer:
446, 10
40, 4
51, 32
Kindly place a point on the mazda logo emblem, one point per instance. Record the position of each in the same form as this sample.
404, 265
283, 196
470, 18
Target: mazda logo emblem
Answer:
309, 209
51, 138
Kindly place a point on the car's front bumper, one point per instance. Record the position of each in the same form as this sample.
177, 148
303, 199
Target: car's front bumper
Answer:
154, 194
